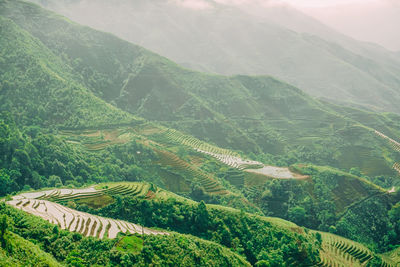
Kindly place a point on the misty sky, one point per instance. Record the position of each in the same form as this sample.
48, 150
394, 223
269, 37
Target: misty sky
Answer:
375, 21
323, 3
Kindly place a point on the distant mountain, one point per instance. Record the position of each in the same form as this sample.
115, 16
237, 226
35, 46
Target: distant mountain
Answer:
251, 39
252, 114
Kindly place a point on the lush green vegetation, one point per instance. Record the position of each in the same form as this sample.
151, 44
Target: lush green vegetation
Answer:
73, 249
251, 236
34, 158
40, 90
69, 97
332, 201
240, 231
253, 114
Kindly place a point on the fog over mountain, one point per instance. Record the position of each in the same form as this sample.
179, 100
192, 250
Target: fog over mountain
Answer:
371, 20
251, 37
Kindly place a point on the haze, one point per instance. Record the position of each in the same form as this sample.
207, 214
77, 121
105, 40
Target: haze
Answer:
373, 21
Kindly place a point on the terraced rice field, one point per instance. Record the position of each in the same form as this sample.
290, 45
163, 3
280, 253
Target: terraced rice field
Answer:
233, 161
76, 221
341, 252
396, 167
187, 140
229, 157
209, 183
394, 143
60, 195
393, 256
43, 204
98, 139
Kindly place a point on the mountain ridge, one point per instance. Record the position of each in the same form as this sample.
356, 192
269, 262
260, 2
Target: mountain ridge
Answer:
330, 65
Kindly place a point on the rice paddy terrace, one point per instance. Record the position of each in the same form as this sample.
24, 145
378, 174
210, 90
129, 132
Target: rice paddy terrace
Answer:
210, 184
395, 145
393, 256
337, 251
177, 174
228, 157
95, 140
44, 204
165, 142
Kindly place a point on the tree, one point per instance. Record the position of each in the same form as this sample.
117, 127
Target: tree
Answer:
54, 181
202, 217
5, 183
297, 215
3, 229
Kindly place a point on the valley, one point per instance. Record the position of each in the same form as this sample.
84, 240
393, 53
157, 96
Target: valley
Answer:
113, 155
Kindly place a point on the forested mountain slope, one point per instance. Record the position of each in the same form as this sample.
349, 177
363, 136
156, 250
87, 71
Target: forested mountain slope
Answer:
253, 114
41, 89
252, 38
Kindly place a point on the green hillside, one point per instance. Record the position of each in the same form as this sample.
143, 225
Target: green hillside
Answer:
73, 249
252, 114
331, 200
18, 251
40, 90
262, 240
254, 39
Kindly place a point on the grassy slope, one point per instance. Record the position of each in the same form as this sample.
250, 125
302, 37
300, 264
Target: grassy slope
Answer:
253, 114
21, 252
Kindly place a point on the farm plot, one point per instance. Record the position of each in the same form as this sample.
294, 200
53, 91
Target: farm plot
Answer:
233, 161
339, 251
392, 256
54, 193
210, 184
228, 157
99, 139
91, 196
394, 144
254, 166
177, 137
76, 221
277, 172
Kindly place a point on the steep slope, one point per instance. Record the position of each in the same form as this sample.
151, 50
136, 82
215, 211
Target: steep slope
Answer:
260, 239
37, 88
251, 39
253, 114
21, 252
73, 249
233, 231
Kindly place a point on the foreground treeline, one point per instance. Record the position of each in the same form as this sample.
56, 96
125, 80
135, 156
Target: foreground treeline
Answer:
262, 242
50, 246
